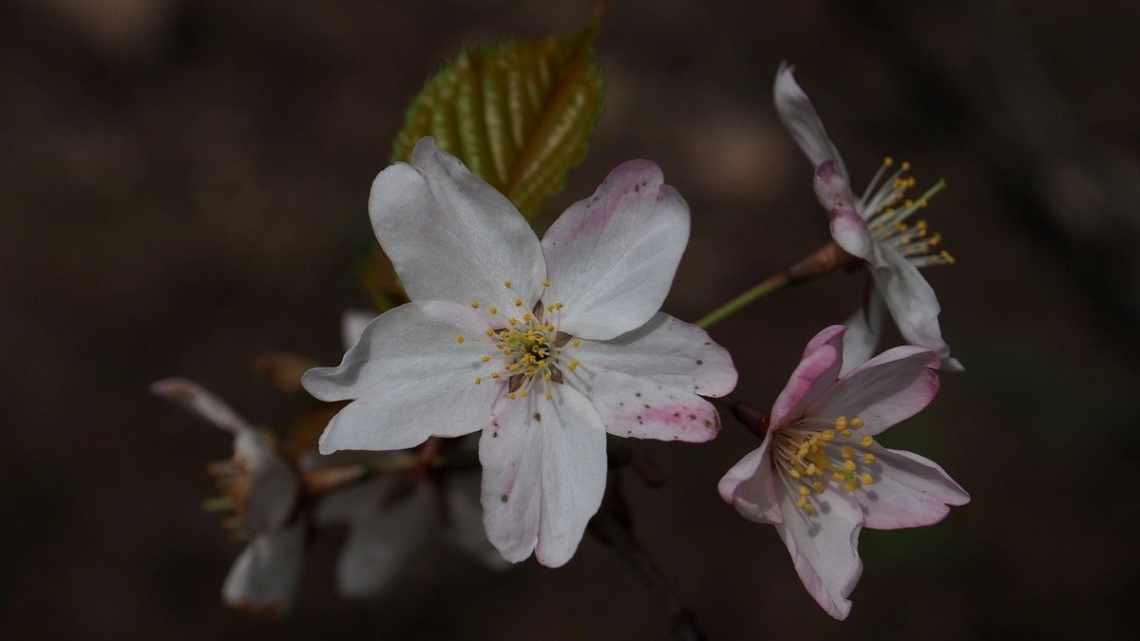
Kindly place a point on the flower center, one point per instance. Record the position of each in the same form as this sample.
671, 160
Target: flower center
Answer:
813, 454
886, 209
529, 350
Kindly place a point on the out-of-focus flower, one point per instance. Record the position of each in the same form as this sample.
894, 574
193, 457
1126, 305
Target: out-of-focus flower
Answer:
820, 477
262, 488
873, 228
543, 346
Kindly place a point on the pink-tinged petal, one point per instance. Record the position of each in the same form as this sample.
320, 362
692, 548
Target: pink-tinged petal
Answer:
864, 330
909, 491
464, 526
911, 302
611, 258
544, 473
410, 377
198, 400
265, 576
833, 189
750, 486
640, 408
850, 232
799, 116
886, 390
667, 351
352, 326
384, 538
812, 378
824, 548
451, 236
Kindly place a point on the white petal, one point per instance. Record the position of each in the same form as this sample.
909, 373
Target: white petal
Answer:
639, 408
411, 378
274, 487
611, 258
751, 486
451, 236
666, 351
382, 540
864, 330
265, 576
799, 116
465, 521
824, 548
911, 301
909, 491
352, 326
201, 402
544, 473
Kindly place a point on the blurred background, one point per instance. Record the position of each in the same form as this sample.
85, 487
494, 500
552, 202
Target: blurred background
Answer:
184, 188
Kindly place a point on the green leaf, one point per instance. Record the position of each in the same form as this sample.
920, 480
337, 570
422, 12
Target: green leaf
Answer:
519, 114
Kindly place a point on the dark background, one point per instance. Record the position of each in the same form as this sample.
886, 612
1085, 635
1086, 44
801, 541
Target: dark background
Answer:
184, 188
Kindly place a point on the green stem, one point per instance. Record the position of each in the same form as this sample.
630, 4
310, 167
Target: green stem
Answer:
762, 289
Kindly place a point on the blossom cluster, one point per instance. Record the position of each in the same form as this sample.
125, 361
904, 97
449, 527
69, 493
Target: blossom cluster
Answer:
528, 352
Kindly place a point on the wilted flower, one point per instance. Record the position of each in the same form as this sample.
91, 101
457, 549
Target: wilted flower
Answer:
543, 346
262, 488
820, 477
875, 229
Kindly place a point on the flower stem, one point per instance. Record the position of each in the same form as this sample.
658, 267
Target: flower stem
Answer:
822, 261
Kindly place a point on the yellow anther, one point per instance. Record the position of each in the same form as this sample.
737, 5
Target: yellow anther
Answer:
801, 503
809, 510
494, 310
868, 458
947, 257
512, 396
849, 465
818, 486
812, 470
507, 284
867, 441
905, 166
478, 380
837, 476
888, 161
573, 364
934, 240
866, 478
485, 358
523, 394
459, 339
848, 433
851, 486
804, 490
547, 375
577, 342
794, 473
546, 282
841, 423
528, 318
474, 304
549, 396
827, 436
847, 453
856, 423
513, 321
518, 302
495, 375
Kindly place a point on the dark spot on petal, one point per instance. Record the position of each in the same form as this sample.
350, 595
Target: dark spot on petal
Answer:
708, 343
494, 435
628, 432
676, 415
538, 417
637, 394
647, 406
708, 423
692, 417
503, 498
700, 362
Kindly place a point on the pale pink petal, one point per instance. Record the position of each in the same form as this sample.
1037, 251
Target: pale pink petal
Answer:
544, 473
611, 257
864, 330
909, 491
640, 408
813, 377
751, 486
824, 548
383, 539
885, 390
451, 236
274, 485
850, 232
410, 377
352, 326
265, 576
667, 351
198, 400
911, 301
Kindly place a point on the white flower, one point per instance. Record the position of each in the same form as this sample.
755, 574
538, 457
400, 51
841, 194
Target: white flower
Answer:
543, 346
263, 489
873, 228
820, 477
